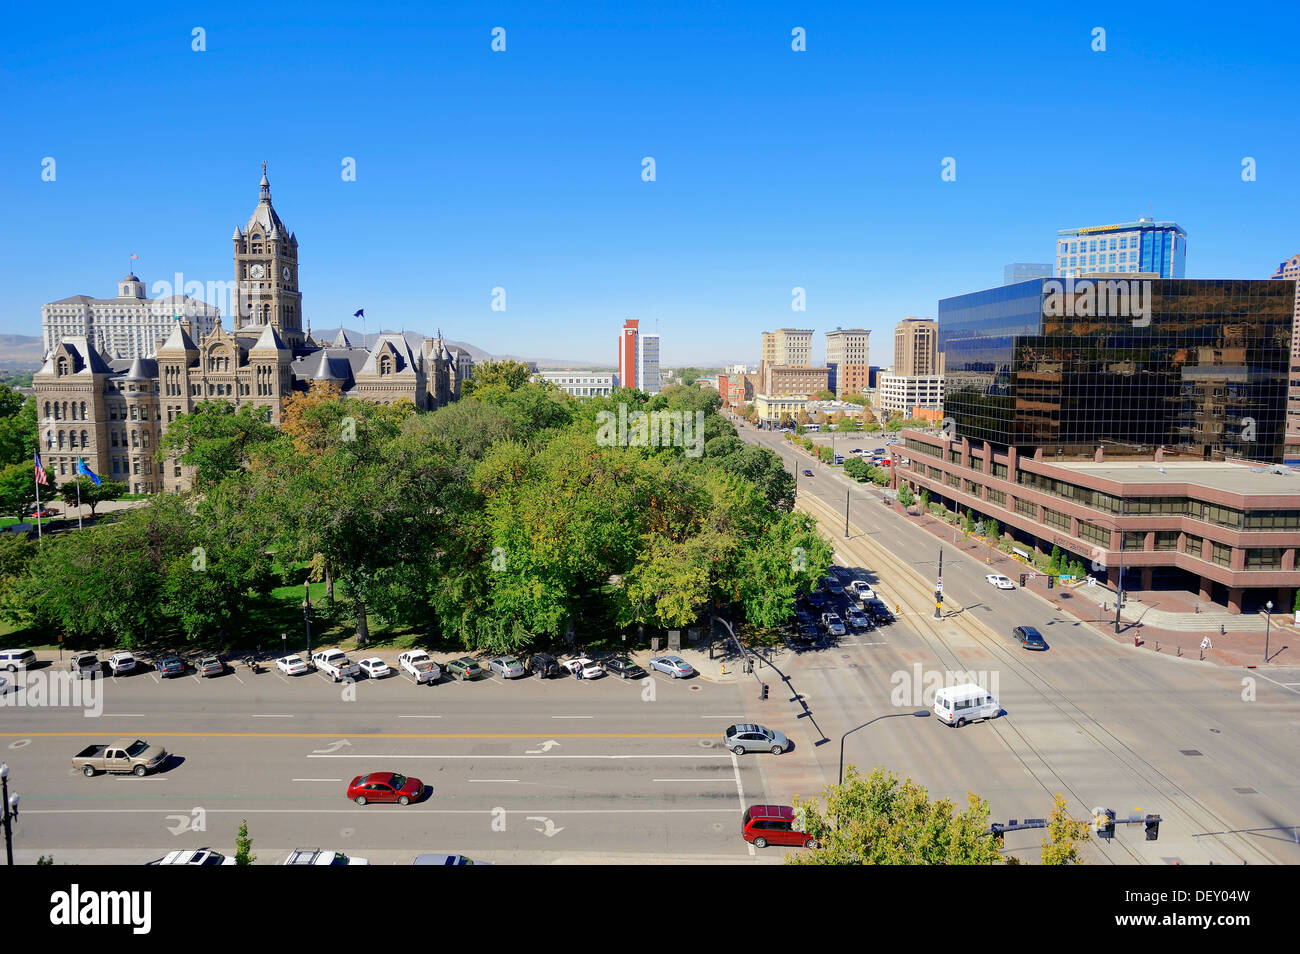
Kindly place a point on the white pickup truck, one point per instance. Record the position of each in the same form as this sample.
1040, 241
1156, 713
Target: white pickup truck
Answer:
418, 664
314, 856
335, 663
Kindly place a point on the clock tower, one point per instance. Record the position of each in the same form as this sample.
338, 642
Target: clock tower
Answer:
266, 273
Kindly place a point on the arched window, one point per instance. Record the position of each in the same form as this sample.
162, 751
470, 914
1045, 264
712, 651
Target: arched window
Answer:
85, 442
135, 438
65, 410
49, 440
47, 410
63, 366
83, 410
385, 365
60, 440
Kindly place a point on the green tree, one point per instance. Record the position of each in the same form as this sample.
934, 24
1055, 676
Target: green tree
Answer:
894, 425
825, 395
17, 488
497, 376
856, 468
877, 819
848, 425
92, 495
18, 430
905, 496
825, 454
856, 398
968, 522
871, 427
244, 845
992, 529
217, 439
1064, 835
1054, 563
925, 499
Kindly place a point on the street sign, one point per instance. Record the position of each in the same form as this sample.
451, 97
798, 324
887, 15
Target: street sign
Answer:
939, 586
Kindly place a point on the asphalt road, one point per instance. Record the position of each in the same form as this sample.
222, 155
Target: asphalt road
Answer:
1211, 750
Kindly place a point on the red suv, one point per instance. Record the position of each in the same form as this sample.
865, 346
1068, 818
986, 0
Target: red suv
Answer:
773, 825
385, 787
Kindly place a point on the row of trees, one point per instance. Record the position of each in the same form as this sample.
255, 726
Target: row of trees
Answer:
498, 522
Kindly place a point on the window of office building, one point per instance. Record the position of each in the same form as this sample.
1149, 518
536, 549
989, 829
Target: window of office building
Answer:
1027, 507
954, 457
1216, 514
1273, 520
1054, 518
934, 472
1192, 545
997, 497
1135, 540
972, 488
1264, 558
952, 480
1094, 534
1222, 554
1000, 470
1166, 539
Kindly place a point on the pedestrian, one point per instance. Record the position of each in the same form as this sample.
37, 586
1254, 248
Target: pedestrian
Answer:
577, 672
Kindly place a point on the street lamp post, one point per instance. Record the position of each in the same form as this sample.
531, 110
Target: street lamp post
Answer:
919, 713
306, 613
1119, 588
1268, 623
10, 811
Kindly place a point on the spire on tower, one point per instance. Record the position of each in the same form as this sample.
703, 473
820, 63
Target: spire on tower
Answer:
265, 184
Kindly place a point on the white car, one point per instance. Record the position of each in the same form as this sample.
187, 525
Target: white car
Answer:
588, 667
833, 624
420, 667
291, 665
1000, 581
203, 856
120, 663
862, 590
675, 666
314, 856
375, 668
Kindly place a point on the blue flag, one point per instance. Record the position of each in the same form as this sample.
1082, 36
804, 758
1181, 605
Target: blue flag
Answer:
85, 471
359, 313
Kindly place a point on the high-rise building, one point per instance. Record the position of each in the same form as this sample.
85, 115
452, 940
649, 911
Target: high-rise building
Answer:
1024, 271
788, 347
845, 347
1141, 246
128, 326
647, 363
1290, 269
916, 348
627, 341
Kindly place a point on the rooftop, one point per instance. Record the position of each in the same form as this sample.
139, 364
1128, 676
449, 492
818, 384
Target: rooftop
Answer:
1222, 476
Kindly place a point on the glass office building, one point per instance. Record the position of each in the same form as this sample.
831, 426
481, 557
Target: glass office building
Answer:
1142, 246
1198, 368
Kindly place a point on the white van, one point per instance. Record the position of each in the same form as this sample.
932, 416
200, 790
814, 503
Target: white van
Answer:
957, 705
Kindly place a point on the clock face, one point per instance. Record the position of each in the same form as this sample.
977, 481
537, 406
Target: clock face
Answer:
256, 271
285, 272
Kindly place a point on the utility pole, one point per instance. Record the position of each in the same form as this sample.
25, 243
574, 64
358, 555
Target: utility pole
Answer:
846, 513
1119, 588
938, 589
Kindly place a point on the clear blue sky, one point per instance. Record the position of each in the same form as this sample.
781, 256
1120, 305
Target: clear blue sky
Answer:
522, 169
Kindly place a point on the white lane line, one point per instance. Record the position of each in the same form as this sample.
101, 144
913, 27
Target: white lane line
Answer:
1286, 686
236, 675
740, 790
268, 715
718, 717
318, 779
573, 717
492, 780
701, 780
419, 717
702, 755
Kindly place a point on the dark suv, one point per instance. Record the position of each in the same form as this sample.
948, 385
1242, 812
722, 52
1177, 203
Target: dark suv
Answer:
545, 665
877, 612
1029, 638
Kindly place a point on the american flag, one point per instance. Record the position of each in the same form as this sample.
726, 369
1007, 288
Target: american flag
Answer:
40, 472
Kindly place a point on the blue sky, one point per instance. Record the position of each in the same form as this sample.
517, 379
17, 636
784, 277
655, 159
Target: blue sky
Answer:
522, 169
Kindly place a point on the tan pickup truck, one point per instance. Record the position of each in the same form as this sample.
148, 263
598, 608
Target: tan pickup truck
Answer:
134, 756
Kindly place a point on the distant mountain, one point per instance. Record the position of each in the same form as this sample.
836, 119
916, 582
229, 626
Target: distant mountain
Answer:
21, 352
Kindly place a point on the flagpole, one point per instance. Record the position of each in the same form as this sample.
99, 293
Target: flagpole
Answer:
37, 482
77, 479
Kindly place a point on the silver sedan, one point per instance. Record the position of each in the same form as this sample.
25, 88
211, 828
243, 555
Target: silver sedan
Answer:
508, 667
675, 666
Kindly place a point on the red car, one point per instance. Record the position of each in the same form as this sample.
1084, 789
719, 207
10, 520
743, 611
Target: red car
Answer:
385, 787
765, 825
46, 512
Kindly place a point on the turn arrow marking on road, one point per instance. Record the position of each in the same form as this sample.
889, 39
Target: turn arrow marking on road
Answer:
332, 747
546, 747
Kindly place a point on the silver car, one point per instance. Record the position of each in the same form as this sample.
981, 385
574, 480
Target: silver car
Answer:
508, 666
754, 738
834, 625
675, 666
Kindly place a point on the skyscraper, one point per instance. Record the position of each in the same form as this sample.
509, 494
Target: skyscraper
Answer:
916, 352
1291, 269
846, 348
627, 341
647, 363
1141, 246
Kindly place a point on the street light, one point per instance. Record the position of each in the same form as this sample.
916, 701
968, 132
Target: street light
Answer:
10, 810
919, 713
306, 613
1268, 623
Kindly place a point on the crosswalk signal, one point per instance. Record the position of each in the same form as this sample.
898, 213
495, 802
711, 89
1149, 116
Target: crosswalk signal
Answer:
1051, 581
1153, 827
1023, 578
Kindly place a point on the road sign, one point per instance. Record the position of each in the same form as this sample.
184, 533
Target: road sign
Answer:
939, 586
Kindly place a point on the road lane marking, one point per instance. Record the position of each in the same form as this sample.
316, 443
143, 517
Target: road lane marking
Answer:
704, 780
123, 715
740, 790
573, 717
502, 780
318, 780
419, 717
268, 715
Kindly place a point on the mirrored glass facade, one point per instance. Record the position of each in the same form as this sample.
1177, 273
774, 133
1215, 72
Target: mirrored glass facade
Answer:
1197, 367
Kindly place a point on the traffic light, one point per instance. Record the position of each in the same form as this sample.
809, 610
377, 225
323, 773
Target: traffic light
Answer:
1153, 827
1103, 820
1023, 579
762, 695
1051, 581
996, 831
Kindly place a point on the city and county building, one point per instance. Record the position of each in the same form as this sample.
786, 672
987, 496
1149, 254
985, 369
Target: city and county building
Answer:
1197, 368
1141, 246
771, 409
901, 394
794, 381
1290, 270
128, 326
1024, 271
845, 347
916, 348
581, 383
1226, 531
112, 411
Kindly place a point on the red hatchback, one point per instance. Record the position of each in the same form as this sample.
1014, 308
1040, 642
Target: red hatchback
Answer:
774, 825
385, 787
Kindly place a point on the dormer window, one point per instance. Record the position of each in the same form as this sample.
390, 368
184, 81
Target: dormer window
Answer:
63, 366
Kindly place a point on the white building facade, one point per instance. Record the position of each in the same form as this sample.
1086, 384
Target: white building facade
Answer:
902, 394
581, 383
128, 326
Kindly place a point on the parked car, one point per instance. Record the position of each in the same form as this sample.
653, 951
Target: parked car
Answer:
419, 666
463, 669
624, 668
508, 667
856, 450
385, 787
861, 590
292, 665
764, 825
336, 664
877, 611
858, 619
879, 451
199, 856
833, 586
170, 667
817, 598
589, 668
674, 666
374, 668
122, 757
15, 659
545, 665
210, 666
802, 615
85, 664
314, 856
807, 472
747, 737
1029, 638
46, 512
832, 623
119, 664
1000, 581
809, 633
432, 859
